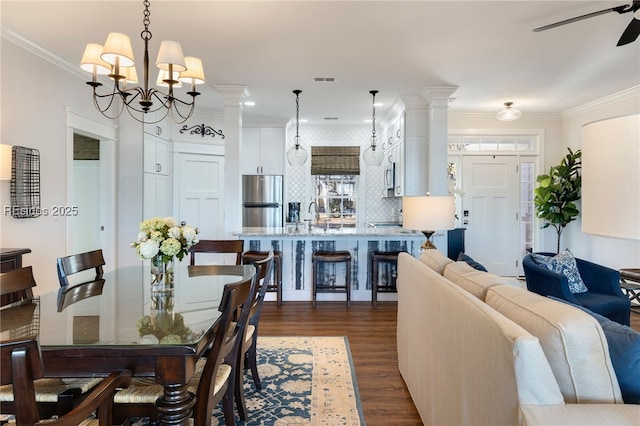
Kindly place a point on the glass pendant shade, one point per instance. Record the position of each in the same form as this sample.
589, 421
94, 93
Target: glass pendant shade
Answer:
373, 155
297, 155
508, 113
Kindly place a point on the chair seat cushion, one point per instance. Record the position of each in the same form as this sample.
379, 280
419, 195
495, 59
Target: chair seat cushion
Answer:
144, 390
48, 390
248, 335
612, 307
564, 263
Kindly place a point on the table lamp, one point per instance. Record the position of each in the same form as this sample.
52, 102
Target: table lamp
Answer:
5, 162
428, 214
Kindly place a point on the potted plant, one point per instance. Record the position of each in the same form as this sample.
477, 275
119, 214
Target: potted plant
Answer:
557, 193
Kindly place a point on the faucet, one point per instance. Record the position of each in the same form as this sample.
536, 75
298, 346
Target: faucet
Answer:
315, 209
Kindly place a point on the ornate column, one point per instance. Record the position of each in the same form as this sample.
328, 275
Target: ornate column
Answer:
233, 95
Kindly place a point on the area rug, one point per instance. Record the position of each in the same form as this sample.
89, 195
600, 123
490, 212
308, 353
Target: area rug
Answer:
305, 381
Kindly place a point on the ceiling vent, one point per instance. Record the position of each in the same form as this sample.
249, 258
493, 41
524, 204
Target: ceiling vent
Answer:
324, 79
331, 118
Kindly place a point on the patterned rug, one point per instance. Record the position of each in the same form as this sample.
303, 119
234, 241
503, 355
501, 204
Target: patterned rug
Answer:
305, 381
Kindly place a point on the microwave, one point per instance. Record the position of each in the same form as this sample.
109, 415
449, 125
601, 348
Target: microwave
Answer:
390, 176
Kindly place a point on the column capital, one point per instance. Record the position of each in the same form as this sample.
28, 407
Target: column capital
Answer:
438, 96
233, 94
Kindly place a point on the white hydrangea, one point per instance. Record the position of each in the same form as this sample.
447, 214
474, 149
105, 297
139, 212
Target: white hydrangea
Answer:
190, 235
174, 232
148, 249
142, 237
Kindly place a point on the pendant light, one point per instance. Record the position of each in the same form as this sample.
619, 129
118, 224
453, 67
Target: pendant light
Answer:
508, 113
297, 155
373, 155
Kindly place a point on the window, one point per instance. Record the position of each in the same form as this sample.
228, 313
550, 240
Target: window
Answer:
491, 143
335, 198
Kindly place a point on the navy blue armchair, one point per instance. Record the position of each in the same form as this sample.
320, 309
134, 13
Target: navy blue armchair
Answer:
604, 296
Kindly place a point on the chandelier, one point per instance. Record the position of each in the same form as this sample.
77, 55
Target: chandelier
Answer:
297, 155
115, 59
373, 155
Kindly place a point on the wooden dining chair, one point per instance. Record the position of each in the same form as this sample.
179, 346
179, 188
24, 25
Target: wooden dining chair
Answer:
22, 367
77, 263
16, 285
247, 356
217, 246
214, 378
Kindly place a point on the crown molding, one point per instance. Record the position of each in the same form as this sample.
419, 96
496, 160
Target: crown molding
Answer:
607, 100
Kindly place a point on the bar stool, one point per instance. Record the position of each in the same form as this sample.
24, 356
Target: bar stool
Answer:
377, 257
320, 286
275, 285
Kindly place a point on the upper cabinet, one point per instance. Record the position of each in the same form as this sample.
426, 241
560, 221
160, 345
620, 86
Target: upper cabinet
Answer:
394, 163
156, 155
262, 151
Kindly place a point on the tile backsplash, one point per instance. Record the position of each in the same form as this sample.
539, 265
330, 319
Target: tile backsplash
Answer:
370, 201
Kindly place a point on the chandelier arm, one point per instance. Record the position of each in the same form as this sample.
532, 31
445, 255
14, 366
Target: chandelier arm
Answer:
183, 117
103, 111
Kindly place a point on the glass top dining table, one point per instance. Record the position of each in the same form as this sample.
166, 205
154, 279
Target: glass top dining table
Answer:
116, 322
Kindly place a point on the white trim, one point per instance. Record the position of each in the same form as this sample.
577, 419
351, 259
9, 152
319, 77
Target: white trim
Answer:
607, 100
79, 123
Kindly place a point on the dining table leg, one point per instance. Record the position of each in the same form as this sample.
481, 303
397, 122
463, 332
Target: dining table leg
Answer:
176, 405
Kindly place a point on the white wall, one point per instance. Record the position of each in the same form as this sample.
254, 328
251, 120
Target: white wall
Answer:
613, 252
34, 96
560, 132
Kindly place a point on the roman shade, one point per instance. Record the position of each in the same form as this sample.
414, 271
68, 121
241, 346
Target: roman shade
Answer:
335, 160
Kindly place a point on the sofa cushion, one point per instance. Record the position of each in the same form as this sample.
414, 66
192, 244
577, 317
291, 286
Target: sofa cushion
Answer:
435, 260
469, 260
470, 279
624, 349
563, 263
572, 340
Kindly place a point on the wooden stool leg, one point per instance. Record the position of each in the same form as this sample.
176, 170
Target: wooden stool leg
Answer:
348, 283
374, 282
279, 280
314, 278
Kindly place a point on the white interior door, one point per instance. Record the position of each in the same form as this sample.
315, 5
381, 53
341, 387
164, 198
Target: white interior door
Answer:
489, 211
201, 193
86, 197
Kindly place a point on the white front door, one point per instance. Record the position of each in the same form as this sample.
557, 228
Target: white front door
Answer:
489, 212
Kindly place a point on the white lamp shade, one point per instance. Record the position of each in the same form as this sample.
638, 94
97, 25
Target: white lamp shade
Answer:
428, 213
118, 49
91, 60
5, 162
164, 75
170, 53
130, 74
194, 72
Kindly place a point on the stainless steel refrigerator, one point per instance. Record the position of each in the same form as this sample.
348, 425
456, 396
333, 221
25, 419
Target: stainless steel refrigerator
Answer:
262, 200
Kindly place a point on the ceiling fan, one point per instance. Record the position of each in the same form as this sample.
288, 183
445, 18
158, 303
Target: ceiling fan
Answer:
629, 35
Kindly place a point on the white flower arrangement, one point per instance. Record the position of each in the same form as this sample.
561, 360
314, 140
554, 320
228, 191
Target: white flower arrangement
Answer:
163, 236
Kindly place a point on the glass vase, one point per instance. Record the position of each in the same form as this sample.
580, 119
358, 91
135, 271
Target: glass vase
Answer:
161, 274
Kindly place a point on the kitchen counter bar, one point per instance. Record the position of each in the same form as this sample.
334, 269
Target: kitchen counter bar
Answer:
296, 250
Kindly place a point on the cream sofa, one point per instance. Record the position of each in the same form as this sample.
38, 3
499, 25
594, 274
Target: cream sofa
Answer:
474, 349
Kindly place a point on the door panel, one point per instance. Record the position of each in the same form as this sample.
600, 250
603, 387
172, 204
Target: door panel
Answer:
489, 208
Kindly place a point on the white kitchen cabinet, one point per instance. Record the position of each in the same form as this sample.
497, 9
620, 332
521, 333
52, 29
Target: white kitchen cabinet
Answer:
393, 146
156, 196
263, 151
156, 155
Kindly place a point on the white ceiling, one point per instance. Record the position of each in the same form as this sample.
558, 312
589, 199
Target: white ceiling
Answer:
486, 48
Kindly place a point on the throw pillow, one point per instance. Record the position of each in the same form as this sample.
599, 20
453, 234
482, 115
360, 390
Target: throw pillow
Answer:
475, 265
624, 350
564, 263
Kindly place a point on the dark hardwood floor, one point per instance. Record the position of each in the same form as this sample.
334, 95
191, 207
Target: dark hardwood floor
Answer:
372, 337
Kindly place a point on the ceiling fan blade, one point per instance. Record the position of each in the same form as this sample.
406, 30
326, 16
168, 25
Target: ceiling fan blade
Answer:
577, 18
631, 33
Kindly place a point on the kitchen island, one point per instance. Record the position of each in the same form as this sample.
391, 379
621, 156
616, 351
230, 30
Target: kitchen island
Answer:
296, 248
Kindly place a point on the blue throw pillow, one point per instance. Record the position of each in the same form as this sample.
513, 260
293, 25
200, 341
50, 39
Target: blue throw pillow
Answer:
464, 258
564, 263
624, 350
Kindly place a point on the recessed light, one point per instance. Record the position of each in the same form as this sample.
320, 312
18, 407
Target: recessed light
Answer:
304, 120
378, 104
249, 103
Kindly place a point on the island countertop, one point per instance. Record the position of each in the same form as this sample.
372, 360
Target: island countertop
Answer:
289, 231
